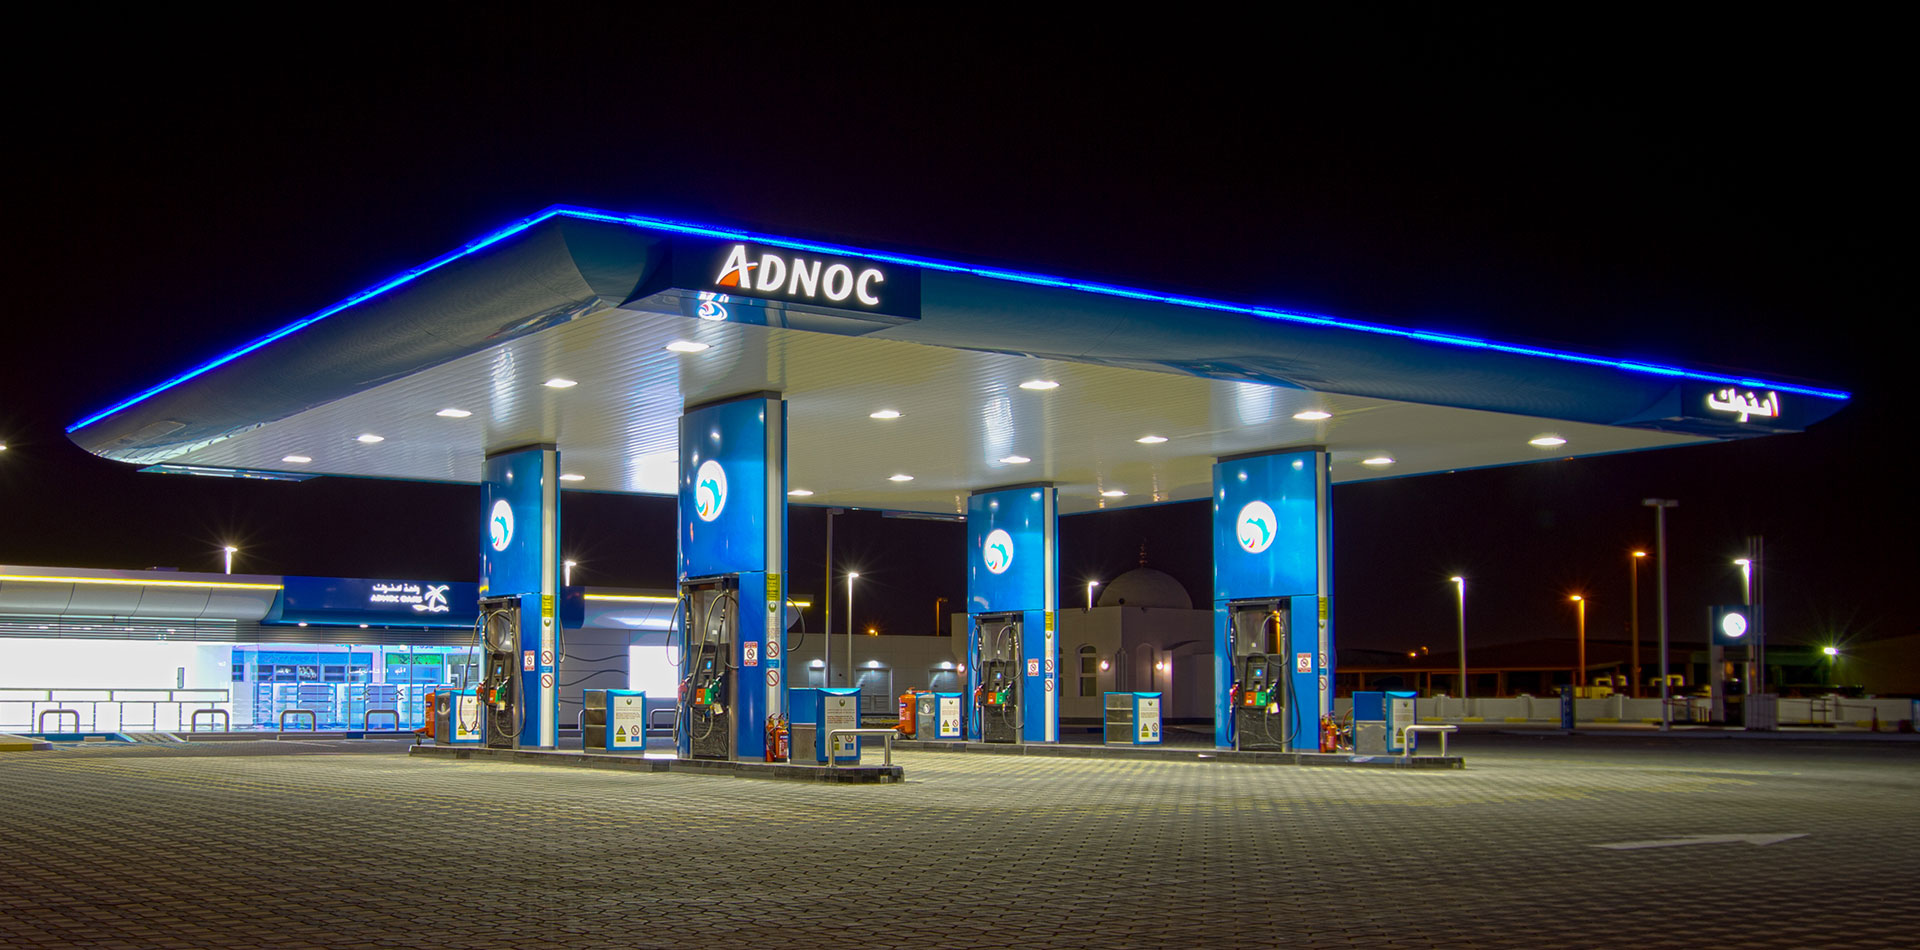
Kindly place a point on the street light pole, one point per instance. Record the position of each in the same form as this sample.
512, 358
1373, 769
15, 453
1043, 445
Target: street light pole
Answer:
1633, 605
1090, 586
229, 549
850, 578
566, 573
1660, 506
1460, 586
1580, 650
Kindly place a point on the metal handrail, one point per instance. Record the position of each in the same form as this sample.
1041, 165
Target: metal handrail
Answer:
367, 717
313, 718
833, 761
670, 711
193, 721
1406, 737
44, 713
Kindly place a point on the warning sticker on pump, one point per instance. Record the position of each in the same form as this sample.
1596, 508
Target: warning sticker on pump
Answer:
546, 657
750, 653
773, 648
526, 661
1303, 662
773, 677
1033, 667
546, 681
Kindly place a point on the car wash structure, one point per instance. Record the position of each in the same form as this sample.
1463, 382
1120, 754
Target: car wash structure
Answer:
737, 370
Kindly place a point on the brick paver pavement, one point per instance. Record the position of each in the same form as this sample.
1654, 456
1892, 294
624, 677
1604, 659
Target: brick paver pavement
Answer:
345, 844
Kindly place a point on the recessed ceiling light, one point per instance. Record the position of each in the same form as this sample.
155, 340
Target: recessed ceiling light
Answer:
884, 414
1377, 460
369, 438
1151, 439
799, 492
1113, 493
296, 459
1547, 441
900, 478
454, 413
1040, 384
1312, 415
684, 346
559, 383
1016, 460
571, 477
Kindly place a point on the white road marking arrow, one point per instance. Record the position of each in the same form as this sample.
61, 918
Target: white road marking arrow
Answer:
1700, 839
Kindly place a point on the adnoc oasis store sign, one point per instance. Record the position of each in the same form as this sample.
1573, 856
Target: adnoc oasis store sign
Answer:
356, 600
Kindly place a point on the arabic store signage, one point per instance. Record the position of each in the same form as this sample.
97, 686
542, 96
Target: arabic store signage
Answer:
360, 600
1746, 404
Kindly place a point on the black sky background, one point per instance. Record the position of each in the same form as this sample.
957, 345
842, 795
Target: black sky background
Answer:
1709, 192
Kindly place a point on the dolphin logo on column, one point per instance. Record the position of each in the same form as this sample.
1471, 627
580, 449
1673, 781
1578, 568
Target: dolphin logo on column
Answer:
1255, 526
709, 490
500, 525
997, 552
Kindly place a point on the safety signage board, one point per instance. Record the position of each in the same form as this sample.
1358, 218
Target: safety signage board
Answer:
526, 661
949, 717
1147, 718
773, 676
546, 657
627, 722
546, 681
1303, 662
773, 648
1049, 685
1049, 664
750, 653
466, 718
1033, 667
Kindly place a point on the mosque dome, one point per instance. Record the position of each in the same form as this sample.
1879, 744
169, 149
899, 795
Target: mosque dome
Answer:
1145, 587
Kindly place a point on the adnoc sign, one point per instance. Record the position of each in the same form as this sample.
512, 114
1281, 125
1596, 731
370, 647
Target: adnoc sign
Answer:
726, 273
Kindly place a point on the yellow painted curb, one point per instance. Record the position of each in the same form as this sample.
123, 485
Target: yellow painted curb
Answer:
12, 743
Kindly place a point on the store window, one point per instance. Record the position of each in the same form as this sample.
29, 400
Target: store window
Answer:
1089, 672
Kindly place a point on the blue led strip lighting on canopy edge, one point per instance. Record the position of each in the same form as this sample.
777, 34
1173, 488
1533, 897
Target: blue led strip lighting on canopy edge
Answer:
990, 273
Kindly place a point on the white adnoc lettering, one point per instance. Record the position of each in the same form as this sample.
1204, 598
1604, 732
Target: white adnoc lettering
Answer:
799, 277
1744, 405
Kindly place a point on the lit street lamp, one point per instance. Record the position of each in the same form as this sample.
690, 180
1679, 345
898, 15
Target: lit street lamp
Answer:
850, 579
230, 551
1580, 661
1460, 587
566, 573
1633, 605
1090, 586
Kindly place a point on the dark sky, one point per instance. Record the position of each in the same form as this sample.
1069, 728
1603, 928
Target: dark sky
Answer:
1698, 192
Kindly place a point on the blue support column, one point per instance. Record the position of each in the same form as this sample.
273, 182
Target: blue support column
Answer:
733, 522
520, 557
1273, 540
1013, 567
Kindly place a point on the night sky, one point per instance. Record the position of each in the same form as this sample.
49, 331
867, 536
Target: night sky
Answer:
1699, 193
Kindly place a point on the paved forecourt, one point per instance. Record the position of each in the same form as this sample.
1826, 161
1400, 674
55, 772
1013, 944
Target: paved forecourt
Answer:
354, 844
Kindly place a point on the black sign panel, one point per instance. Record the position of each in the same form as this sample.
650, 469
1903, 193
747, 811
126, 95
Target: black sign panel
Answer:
744, 269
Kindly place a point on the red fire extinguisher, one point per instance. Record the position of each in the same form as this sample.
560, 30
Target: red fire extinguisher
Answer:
776, 739
1329, 734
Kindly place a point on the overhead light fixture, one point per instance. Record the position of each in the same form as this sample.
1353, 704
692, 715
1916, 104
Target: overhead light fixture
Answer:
1113, 493
369, 438
884, 414
295, 459
454, 413
560, 383
1016, 460
1547, 441
799, 493
1378, 460
900, 478
1040, 385
1313, 415
571, 477
1151, 439
684, 346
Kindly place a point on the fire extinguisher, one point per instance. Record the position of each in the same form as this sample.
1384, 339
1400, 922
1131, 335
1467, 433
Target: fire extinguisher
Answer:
905, 725
776, 739
1329, 734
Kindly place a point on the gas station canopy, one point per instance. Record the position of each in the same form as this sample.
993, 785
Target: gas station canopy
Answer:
910, 381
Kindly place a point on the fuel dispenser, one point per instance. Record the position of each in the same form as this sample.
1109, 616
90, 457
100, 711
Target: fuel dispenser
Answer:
710, 608
997, 701
1262, 692
503, 704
